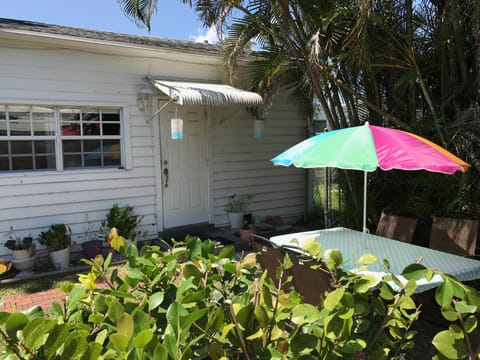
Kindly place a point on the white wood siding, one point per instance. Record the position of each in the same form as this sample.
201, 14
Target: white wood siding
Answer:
56, 74
32, 201
241, 163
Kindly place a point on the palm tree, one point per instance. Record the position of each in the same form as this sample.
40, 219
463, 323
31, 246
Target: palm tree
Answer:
408, 64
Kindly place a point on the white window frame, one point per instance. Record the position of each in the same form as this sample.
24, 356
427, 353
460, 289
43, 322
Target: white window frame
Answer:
58, 137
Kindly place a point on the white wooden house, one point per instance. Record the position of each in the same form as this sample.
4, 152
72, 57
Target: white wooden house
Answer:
80, 130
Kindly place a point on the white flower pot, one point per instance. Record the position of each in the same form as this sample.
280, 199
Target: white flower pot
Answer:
60, 259
23, 254
235, 219
24, 259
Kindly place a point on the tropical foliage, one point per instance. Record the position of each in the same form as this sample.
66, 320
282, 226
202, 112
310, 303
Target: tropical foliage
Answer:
238, 202
57, 237
196, 301
407, 64
124, 220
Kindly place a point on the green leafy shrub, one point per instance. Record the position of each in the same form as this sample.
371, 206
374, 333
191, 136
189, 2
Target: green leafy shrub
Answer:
124, 220
194, 301
57, 237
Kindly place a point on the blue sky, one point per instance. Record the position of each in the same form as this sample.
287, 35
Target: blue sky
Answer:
172, 20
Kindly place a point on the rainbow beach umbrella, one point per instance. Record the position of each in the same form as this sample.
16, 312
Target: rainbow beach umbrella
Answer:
367, 148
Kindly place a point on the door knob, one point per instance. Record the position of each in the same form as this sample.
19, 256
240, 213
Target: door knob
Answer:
165, 172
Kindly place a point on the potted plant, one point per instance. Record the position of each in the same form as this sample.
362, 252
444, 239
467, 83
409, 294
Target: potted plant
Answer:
92, 248
23, 250
235, 207
124, 220
92, 244
57, 239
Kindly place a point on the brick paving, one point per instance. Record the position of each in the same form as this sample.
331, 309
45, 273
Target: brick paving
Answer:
44, 299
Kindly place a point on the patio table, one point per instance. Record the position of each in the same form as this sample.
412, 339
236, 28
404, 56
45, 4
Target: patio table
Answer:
399, 254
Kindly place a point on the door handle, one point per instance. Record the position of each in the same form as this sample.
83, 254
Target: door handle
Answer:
165, 173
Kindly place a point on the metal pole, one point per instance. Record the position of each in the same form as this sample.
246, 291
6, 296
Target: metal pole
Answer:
326, 208
365, 178
327, 199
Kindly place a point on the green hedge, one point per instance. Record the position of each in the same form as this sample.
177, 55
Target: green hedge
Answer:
194, 301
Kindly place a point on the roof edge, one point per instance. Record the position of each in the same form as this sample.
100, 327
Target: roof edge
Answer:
44, 29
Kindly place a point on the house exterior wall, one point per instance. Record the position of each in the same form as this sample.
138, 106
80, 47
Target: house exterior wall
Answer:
241, 164
39, 71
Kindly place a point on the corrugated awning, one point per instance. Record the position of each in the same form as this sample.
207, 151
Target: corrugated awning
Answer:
190, 93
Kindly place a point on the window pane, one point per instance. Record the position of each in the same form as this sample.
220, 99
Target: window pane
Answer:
19, 113
88, 126
111, 115
21, 147
72, 161
92, 146
93, 160
22, 156
43, 121
111, 129
112, 149
111, 162
3, 121
3, 128
71, 129
69, 115
111, 122
91, 122
44, 114
70, 146
45, 162
19, 120
91, 128
3, 147
4, 165
93, 152
20, 128
70, 122
40, 128
91, 116
44, 147
22, 163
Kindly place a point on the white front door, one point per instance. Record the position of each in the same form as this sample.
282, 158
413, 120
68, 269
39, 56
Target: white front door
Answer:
184, 167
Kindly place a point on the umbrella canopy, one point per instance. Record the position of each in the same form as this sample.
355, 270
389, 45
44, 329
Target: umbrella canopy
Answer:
367, 148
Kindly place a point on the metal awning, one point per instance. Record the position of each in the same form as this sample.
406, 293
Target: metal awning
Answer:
192, 93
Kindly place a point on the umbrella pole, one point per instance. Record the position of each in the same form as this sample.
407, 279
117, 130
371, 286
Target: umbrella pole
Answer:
365, 229
326, 208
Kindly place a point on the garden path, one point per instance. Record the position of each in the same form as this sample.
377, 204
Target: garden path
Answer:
44, 299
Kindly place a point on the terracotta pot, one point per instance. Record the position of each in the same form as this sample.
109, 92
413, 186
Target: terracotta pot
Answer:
245, 233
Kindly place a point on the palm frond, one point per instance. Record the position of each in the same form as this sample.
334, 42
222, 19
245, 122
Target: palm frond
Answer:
139, 11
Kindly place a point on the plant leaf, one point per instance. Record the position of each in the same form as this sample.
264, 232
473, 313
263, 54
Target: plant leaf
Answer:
125, 325
119, 341
143, 338
14, 323
333, 298
115, 310
155, 300
449, 345
367, 259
